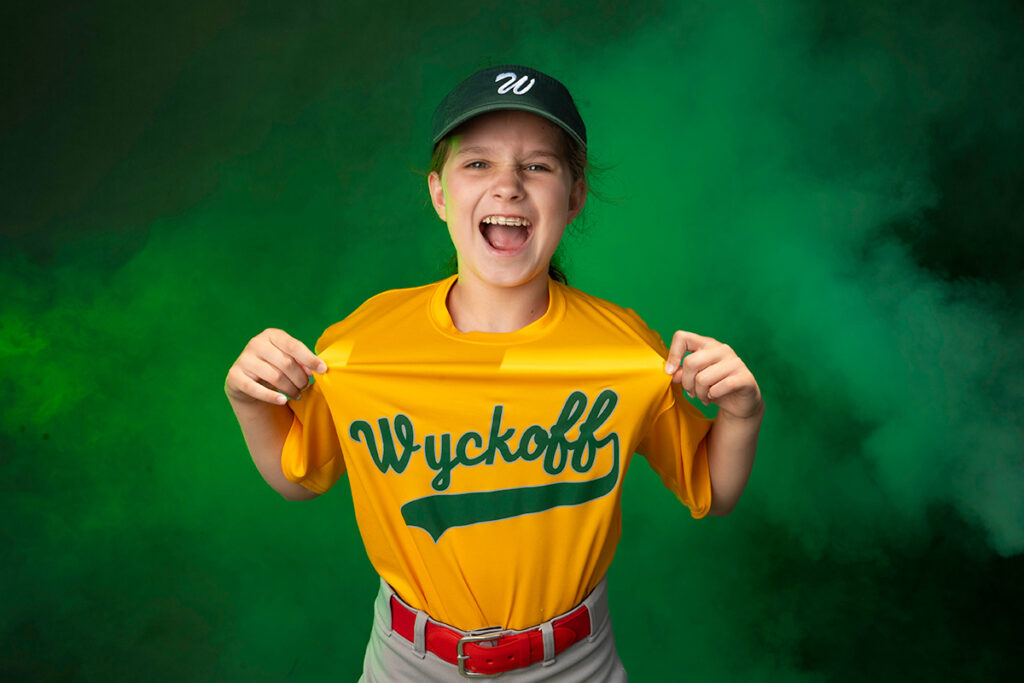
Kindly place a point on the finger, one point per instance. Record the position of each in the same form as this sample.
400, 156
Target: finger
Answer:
297, 350
250, 387
273, 377
712, 375
738, 393
695, 363
723, 387
682, 343
297, 374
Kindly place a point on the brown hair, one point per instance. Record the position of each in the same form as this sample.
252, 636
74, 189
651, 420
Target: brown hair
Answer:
575, 156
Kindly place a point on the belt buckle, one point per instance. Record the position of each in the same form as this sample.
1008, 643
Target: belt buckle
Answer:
480, 635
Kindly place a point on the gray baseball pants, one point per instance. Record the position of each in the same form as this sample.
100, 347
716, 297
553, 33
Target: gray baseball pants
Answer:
390, 658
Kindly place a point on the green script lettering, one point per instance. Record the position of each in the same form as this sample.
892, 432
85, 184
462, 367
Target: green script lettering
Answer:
557, 449
386, 458
572, 411
604, 406
497, 441
441, 462
539, 436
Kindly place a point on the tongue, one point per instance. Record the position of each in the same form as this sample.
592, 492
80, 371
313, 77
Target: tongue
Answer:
505, 237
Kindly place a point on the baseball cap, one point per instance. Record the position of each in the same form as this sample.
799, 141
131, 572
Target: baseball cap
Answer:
508, 87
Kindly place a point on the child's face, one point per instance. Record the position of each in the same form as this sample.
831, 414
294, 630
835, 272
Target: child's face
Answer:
506, 167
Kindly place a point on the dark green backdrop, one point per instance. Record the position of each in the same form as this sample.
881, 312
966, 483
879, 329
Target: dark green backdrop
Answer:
833, 188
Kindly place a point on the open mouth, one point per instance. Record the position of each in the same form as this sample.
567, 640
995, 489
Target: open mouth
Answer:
506, 234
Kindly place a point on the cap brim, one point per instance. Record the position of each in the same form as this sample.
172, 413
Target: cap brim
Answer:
504, 106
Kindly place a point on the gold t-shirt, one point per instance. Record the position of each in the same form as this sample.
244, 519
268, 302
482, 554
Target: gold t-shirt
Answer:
486, 468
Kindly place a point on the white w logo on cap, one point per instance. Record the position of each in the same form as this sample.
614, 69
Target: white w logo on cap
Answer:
518, 87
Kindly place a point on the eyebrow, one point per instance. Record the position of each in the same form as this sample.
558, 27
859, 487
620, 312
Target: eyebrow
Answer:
477, 149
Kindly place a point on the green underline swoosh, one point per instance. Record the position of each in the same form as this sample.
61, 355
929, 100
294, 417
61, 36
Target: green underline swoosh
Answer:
437, 513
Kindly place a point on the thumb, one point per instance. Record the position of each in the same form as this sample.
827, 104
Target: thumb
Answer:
683, 342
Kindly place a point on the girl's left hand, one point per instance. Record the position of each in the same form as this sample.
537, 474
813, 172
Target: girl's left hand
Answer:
713, 372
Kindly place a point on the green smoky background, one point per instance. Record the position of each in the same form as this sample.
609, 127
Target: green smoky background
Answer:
833, 188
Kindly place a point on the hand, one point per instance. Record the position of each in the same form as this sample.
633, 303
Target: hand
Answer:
713, 372
272, 362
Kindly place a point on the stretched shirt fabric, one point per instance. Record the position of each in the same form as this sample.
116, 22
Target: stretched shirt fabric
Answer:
486, 468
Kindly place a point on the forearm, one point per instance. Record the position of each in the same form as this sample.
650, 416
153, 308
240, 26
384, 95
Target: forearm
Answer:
731, 445
265, 427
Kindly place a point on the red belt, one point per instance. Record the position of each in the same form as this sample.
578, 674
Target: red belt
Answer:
507, 651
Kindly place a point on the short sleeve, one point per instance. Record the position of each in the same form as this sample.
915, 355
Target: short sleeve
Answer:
676, 449
311, 455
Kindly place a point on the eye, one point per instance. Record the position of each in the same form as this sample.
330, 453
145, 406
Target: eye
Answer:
477, 164
537, 167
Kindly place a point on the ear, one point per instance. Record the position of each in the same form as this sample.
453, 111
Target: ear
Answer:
577, 198
437, 195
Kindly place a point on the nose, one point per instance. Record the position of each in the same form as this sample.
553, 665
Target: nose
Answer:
508, 184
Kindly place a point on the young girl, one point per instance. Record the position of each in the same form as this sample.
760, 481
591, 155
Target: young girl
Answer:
486, 421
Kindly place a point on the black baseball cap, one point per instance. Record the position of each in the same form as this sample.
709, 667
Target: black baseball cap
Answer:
508, 87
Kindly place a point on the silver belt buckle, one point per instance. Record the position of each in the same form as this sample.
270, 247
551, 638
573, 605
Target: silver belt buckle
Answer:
480, 635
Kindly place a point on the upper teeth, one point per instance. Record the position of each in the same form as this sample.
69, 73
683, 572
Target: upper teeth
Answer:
506, 220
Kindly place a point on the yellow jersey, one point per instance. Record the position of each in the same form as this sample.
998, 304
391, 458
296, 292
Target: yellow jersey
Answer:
486, 468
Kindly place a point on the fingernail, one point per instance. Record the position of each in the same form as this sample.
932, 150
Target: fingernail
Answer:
668, 368
282, 399
322, 368
689, 394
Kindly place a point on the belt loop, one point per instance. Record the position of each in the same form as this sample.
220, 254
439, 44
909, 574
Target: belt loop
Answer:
385, 606
419, 646
597, 606
547, 632
593, 626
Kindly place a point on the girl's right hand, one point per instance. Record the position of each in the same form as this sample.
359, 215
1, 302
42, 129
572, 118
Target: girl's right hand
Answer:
273, 363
